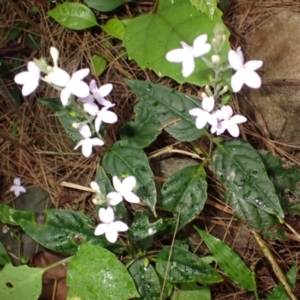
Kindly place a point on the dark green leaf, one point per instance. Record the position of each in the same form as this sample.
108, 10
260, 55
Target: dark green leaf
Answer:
185, 267
96, 273
115, 28
105, 5
229, 261
74, 16
21, 282
64, 117
124, 159
175, 21
185, 193
161, 108
146, 280
32, 40
191, 291
4, 257
98, 65
238, 166
58, 230
284, 178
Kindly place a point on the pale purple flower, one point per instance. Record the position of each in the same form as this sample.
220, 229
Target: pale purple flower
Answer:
244, 71
187, 53
204, 115
71, 85
29, 79
102, 115
123, 190
109, 227
87, 143
228, 121
17, 188
100, 93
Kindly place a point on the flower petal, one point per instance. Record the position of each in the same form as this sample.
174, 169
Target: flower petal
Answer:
131, 197
85, 131
59, 77
128, 183
108, 116
234, 130
120, 226
30, 86
93, 86
86, 147
106, 215
237, 81
96, 142
98, 122
176, 55
22, 77
95, 186
79, 145
226, 111
234, 60
111, 234
65, 95
195, 111
17, 181
80, 74
117, 184
240, 54
253, 64
200, 47
91, 108
188, 65
100, 229
238, 119
208, 103
202, 119
79, 89
114, 198
201, 51
252, 79
105, 89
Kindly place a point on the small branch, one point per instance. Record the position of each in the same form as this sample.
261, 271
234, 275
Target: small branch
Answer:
76, 186
271, 259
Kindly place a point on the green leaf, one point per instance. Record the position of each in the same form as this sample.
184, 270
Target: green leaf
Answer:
74, 16
146, 280
96, 273
124, 159
285, 179
191, 291
206, 6
160, 108
278, 292
98, 65
229, 261
21, 282
115, 28
58, 230
175, 21
141, 228
64, 117
4, 257
105, 5
32, 40
185, 193
238, 166
185, 267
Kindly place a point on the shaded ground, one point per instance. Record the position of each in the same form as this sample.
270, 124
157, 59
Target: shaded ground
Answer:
42, 154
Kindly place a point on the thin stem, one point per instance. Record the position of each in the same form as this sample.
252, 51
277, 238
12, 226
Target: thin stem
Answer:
58, 263
269, 256
292, 229
155, 6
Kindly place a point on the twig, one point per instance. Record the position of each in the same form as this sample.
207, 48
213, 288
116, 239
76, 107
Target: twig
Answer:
269, 256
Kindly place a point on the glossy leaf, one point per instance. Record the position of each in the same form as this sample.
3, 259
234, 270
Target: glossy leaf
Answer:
278, 292
185, 267
58, 230
115, 28
20, 282
96, 273
73, 15
105, 5
65, 118
98, 65
191, 291
206, 6
4, 257
146, 280
238, 166
229, 261
124, 159
160, 108
284, 178
185, 194
175, 21
141, 228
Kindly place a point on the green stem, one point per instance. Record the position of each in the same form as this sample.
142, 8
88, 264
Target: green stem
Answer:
61, 262
154, 7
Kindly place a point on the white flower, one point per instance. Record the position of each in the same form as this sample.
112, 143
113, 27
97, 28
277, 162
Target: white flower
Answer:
87, 143
123, 189
228, 121
29, 79
203, 115
54, 54
244, 71
187, 54
103, 115
71, 85
108, 225
17, 188
100, 93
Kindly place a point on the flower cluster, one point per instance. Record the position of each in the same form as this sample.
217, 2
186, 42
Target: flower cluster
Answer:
221, 119
92, 98
123, 191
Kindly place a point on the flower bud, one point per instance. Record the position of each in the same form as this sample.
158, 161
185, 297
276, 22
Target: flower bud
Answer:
215, 59
54, 54
76, 125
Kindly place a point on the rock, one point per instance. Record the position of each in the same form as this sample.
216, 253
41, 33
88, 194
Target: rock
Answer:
277, 43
